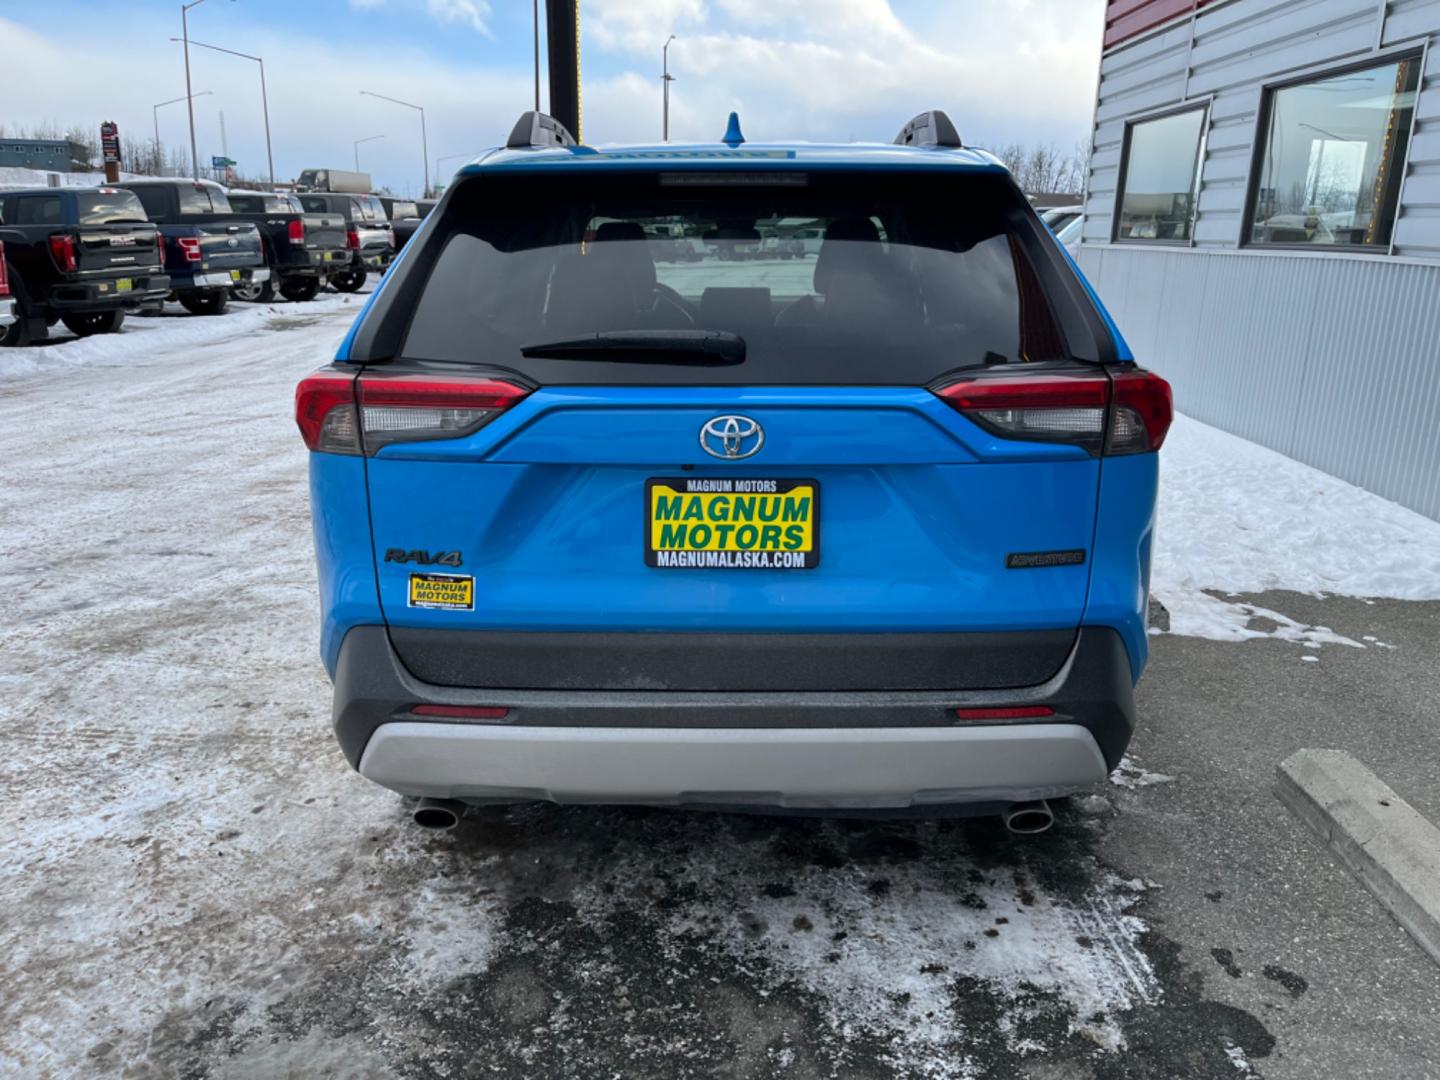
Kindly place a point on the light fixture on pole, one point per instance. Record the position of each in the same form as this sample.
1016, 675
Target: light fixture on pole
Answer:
368, 138
665, 80
424, 141
264, 97
155, 109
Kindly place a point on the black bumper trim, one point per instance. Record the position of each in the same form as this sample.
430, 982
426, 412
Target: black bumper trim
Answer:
1092, 688
532, 660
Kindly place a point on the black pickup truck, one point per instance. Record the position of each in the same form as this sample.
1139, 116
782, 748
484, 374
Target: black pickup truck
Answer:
81, 256
368, 234
207, 247
302, 249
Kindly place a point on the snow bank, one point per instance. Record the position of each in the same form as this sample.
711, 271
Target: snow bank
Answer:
1235, 517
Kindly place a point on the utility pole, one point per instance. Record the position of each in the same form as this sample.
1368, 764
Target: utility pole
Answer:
562, 39
665, 80
189, 97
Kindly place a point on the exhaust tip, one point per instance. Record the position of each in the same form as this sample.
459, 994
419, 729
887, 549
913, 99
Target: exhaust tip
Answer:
1029, 819
439, 814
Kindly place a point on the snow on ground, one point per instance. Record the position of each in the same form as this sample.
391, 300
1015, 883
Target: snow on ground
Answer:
1236, 518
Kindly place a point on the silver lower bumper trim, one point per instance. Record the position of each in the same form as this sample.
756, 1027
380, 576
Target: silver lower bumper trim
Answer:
826, 768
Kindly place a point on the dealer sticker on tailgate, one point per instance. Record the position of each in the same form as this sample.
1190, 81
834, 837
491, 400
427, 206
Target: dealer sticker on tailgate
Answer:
452, 592
732, 523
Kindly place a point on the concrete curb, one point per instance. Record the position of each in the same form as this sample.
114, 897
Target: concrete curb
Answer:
1385, 842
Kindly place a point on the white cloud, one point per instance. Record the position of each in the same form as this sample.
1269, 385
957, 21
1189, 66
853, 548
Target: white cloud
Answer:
473, 12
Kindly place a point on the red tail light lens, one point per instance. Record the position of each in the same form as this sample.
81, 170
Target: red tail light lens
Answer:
160, 250
4, 275
340, 414
62, 249
1079, 409
352, 239
1142, 414
297, 231
189, 247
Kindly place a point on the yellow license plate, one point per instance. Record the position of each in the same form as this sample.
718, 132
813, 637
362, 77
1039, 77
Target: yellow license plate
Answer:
234, 275
453, 592
732, 523
329, 255
124, 285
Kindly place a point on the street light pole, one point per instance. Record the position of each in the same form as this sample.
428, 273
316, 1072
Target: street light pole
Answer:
189, 97
264, 97
156, 111
424, 139
368, 138
665, 80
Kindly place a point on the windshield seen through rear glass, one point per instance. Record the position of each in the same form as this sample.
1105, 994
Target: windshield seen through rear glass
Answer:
107, 207
862, 278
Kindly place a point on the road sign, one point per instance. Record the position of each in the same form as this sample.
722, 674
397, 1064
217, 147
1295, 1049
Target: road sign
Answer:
221, 162
110, 142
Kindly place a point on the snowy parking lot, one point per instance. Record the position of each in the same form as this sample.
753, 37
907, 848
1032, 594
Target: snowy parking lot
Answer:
195, 883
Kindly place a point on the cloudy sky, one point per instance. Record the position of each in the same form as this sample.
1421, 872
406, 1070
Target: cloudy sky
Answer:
1005, 70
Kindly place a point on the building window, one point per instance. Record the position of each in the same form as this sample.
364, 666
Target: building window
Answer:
1332, 156
1160, 177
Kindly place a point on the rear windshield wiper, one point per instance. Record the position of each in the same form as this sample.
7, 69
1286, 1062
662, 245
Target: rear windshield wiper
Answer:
694, 347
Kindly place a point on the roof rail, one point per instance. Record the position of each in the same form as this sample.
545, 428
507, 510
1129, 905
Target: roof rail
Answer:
931, 128
536, 129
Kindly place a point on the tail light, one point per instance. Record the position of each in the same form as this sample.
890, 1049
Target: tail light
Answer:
297, 231
352, 239
1128, 413
189, 247
62, 250
4, 274
394, 243
160, 249
340, 413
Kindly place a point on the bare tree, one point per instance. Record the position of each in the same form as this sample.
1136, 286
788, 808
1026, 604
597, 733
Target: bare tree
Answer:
1041, 167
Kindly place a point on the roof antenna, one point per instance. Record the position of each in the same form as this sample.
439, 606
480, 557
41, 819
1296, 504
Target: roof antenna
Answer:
732, 136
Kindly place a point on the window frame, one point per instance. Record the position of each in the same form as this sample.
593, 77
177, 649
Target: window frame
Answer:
1410, 49
1201, 105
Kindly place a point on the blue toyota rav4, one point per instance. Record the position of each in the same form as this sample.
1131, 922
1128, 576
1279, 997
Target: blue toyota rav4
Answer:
626, 491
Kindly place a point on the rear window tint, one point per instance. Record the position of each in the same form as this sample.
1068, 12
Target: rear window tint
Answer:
104, 207
879, 278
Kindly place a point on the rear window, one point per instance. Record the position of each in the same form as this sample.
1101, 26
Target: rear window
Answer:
261, 204
880, 278
104, 207
202, 199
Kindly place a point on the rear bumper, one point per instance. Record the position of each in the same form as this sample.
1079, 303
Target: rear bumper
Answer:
104, 294
887, 748
218, 279
7, 312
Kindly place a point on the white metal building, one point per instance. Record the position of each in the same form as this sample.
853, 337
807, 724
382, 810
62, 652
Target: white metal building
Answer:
1263, 220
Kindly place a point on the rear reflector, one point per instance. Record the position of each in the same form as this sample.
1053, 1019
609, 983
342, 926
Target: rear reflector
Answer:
1078, 408
1006, 712
394, 408
460, 712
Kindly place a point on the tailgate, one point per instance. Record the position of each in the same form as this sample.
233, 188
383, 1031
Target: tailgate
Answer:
231, 246
324, 232
106, 249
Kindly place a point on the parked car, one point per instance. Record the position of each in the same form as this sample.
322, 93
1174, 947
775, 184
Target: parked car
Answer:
7, 305
876, 537
368, 234
81, 256
301, 249
397, 208
1057, 217
1069, 234
208, 248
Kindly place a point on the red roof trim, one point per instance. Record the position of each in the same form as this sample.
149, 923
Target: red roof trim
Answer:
1125, 19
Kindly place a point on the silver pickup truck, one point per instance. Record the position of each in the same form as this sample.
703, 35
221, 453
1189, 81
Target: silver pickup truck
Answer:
368, 234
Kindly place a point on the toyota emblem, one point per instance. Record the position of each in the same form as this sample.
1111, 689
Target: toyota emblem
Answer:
731, 438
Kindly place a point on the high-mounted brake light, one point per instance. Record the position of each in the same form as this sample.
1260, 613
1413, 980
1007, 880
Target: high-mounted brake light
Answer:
62, 249
340, 414
352, 239
189, 247
297, 231
1085, 409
